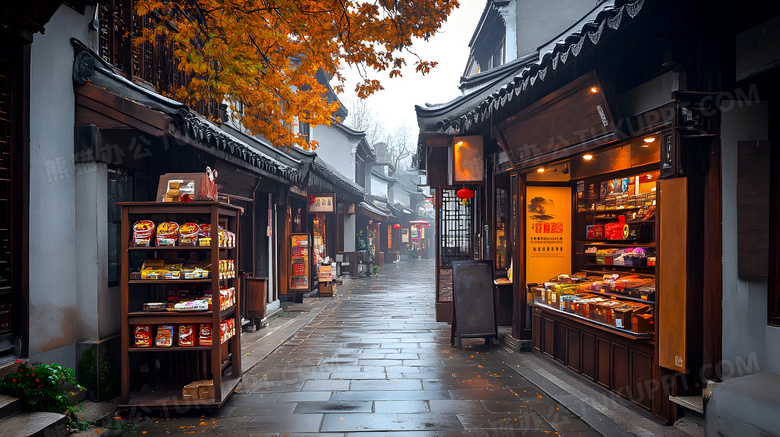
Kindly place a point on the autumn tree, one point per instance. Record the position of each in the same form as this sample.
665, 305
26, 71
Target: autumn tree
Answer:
261, 56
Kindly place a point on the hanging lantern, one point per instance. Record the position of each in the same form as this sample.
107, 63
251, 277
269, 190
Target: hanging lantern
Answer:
465, 193
396, 226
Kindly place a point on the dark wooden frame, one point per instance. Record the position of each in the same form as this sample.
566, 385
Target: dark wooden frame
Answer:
223, 385
773, 303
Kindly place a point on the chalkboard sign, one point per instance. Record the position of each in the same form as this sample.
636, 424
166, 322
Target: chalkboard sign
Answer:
473, 305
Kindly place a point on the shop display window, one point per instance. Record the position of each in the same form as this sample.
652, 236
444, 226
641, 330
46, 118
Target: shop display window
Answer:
319, 246
501, 234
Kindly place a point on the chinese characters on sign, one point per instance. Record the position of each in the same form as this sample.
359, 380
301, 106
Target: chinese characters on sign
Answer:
548, 236
322, 203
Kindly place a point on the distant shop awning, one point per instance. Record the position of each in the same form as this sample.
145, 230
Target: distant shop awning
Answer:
373, 212
418, 223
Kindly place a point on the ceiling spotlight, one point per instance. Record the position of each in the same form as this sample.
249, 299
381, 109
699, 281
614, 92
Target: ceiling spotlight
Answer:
565, 169
594, 90
587, 156
649, 139
540, 169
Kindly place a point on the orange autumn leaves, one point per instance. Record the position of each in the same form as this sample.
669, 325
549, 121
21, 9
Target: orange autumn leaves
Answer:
261, 57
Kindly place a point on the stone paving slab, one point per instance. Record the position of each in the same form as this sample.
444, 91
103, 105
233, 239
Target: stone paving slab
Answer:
372, 361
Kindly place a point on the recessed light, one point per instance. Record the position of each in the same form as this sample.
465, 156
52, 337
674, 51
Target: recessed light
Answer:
649, 139
594, 90
540, 169
587, 156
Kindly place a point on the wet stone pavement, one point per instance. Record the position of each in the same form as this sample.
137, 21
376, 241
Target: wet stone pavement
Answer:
374, 362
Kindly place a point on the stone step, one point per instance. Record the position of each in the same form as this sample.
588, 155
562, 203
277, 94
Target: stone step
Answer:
9, 406
26, 423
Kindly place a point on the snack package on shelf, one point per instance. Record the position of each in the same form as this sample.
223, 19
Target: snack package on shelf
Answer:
142, 233
143, 335
188, 234
205, 334
192, 305
204, 235
167, 233
166, 336
227, 298
227, 329
186, 335
616, 231
153, 269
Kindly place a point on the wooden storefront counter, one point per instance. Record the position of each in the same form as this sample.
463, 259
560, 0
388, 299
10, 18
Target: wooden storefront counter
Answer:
618, 361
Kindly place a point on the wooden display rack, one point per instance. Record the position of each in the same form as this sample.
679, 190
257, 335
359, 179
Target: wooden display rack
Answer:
220, 362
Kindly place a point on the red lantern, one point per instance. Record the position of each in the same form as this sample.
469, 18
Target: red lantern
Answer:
465, 193
396, 226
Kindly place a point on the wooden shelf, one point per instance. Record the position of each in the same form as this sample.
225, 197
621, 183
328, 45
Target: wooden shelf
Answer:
619, 296
178, 248
177, 316
611, 210
169, 396
169, 281
619, 331
170, 349
620, 268
605, 242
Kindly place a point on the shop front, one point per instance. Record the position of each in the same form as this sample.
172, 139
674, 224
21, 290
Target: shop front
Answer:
598, 206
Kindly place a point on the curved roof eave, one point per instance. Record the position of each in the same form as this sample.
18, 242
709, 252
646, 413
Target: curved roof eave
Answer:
461, 115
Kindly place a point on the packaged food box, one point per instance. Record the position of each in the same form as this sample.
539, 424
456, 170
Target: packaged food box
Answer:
205, 335
643, 321
177, 187
623, 314
190, 391
154, 306
186, 335
143, 335
206, 389
166, 336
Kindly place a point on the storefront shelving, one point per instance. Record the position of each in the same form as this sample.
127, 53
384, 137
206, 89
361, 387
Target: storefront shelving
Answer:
180, 365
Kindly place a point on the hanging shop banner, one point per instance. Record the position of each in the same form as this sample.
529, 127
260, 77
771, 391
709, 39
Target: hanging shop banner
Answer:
467, 159
389, 236
548, 233
404, 235
321, 203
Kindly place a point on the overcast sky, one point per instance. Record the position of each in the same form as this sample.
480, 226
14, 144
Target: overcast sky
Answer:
395, 104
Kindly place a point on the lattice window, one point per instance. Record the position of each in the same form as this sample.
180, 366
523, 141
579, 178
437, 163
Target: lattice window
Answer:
147, 62
456, 227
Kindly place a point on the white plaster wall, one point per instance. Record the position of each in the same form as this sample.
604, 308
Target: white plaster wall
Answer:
336, 149
540, 20
745, 332
96, 305
55, 262
378, 186
350, 229
400, 195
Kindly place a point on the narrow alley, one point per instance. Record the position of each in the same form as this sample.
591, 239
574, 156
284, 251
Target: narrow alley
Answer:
374, 361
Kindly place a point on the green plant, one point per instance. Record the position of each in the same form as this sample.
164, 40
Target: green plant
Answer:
361, 240
42, 387
376, 270
96, 379
80, 424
